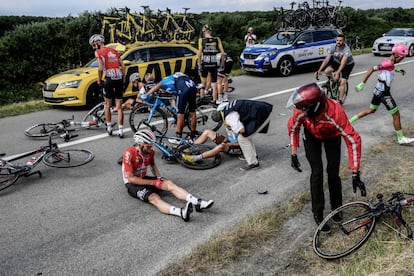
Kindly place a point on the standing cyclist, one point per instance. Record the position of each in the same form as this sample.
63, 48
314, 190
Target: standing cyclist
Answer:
185, 90
208, 48
135, 161
382, 90
110, 62
340, 62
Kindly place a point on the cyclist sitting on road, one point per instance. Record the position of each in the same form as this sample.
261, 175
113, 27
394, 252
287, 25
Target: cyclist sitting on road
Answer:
141, 86
224, 144
339, 61
135, 161
382, 90
245, 118
185, 90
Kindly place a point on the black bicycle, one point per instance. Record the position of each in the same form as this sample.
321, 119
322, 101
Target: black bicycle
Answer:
352, 224
50, 155
332, 87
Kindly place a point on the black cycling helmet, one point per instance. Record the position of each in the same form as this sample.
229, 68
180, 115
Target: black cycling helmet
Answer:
309, 98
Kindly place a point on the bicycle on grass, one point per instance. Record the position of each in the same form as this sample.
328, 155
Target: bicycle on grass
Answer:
50, 155
332, 87
95, 118
157, 106
352, 224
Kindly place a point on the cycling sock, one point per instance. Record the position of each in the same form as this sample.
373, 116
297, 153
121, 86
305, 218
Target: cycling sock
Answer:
353, 118
198, 157
108, 125
192, 199
175, 211
400, 134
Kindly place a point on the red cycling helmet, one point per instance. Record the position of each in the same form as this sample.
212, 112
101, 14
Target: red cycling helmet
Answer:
309, 98
400, 49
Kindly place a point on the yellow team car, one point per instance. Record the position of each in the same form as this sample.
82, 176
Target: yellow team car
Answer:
78, 87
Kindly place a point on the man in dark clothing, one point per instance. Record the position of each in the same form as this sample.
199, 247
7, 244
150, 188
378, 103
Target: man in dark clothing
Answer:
245, 118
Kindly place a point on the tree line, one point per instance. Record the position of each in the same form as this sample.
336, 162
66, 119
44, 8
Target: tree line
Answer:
34, 48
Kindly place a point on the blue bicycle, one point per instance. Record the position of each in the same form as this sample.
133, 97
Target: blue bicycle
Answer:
156, 111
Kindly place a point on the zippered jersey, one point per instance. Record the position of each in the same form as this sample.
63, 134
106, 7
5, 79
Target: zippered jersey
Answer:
331, 122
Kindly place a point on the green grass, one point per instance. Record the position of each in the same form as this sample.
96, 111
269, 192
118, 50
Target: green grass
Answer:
22, 108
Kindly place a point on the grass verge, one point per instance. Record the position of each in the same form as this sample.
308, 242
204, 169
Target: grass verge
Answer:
22, 108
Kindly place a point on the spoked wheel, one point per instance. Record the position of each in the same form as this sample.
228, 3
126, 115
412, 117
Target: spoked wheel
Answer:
6, 178
204, 164
68, 158
138, 118
43, 130
96, 116
204, 120
345, 235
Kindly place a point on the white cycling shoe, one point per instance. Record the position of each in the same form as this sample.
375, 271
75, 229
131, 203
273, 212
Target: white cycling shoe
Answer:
405, 140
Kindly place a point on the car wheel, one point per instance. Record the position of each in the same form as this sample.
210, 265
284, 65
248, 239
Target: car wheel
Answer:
285, 67
411, 50
94, 95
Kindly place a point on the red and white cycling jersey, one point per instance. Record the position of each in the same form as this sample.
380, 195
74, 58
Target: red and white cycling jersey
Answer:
331, 122
110, 58
133, 162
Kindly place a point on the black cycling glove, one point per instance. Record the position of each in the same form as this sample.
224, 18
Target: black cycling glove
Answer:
295, 163
357, 182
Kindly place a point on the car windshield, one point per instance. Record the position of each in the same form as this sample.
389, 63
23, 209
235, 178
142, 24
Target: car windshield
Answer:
281, 38
400, 32
92, 63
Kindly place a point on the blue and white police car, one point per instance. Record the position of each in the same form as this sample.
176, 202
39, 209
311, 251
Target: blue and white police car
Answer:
285, 50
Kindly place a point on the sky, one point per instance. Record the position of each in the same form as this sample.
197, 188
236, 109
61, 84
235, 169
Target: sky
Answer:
76, 7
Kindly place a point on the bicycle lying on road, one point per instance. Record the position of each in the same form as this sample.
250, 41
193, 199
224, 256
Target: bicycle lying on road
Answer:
156, 106
95, 118
173, 148
332, 87
50, 155
352, 224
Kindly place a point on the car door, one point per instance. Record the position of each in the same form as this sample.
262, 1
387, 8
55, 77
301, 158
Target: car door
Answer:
304, 48
324, 39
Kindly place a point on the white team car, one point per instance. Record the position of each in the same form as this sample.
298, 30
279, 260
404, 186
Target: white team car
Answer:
384, 44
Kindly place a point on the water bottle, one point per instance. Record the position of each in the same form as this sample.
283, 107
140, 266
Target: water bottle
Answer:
31, 161
86, 124
174, 110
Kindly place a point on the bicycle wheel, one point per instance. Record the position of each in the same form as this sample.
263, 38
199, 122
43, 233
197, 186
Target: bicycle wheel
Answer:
138, 118
7, 178
68, 158
192, 149
204, 120
345, 236
43, 130
95, 116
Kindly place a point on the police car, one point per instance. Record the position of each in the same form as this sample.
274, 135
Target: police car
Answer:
286, 50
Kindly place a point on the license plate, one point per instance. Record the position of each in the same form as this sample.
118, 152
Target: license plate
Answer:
47, 94
249, 61
386, 48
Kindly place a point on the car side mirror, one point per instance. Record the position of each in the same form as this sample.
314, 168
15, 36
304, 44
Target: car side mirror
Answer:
126, 62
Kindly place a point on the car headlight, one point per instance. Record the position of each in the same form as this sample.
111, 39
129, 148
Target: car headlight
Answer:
267, 54
70, 84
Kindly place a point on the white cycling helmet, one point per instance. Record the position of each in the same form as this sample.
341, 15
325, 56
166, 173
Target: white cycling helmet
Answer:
144, 136
96, 37
134, 77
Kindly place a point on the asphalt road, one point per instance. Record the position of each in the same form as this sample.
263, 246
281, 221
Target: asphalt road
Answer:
81, 221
